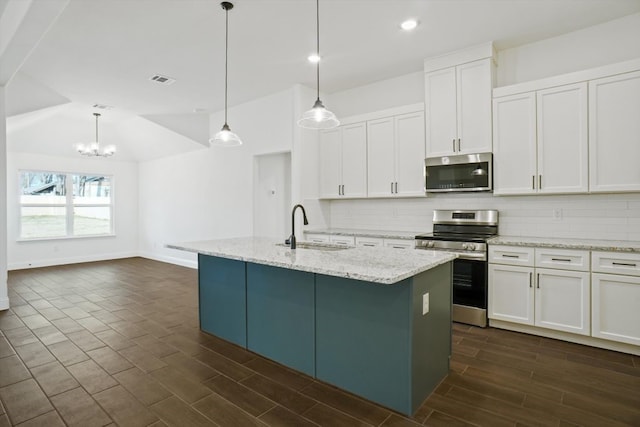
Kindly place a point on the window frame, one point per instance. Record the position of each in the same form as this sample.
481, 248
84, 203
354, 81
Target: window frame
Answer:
68, 206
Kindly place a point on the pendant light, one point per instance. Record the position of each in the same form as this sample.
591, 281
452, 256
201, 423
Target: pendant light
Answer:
318, 117
226, 138
93, 149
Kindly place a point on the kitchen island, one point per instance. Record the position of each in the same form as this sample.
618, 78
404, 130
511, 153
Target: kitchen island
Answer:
351, 317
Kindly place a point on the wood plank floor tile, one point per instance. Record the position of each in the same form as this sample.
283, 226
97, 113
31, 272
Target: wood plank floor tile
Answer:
352, 405
223, 365
79, 409
175, 412
190, 366
277, 392
224, 413
245, 398
438, 419
279, 373
50, 419
181, 385
54, 378
123, 408
49, 335
24, 400
5, 347
324, 415
109, 360
34, 354
67, 353
12, 370
280, 416
144, 387
20, 336
142, 358
91, 376
114, 340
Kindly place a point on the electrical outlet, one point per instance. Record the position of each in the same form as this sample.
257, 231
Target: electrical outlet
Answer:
425, 303
557, 214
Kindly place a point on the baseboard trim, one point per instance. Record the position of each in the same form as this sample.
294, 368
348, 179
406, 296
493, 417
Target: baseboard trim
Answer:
171, 260
71, 260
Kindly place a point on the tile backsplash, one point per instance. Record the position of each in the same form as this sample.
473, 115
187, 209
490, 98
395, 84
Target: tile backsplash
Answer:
594, 216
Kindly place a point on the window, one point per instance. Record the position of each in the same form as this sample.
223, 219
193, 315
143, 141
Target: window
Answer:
54, 205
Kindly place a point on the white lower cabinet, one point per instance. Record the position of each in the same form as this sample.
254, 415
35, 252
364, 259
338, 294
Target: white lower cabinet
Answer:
316, 238
556, 298
615, 308
342, 240
399, 243
369, 242
511, 295
563, 300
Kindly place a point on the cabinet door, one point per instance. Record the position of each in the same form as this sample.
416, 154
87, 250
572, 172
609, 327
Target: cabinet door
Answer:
354, 160
514, 144
615, 311
380, 161
399, 243
409, 159
614, 129
562, 139
511, 293
440, 112
369, 242
330, 152
474, 85
563, 300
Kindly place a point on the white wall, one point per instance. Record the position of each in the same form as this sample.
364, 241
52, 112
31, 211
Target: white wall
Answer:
208, 194
272, 195
603, 44
611, 216
27, 254
4, 298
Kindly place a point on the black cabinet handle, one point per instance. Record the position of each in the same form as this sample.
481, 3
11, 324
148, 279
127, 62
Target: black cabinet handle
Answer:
561, 259
625, 264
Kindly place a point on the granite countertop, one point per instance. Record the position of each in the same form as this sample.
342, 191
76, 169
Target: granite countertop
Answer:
408, 235
562, 243
379, 265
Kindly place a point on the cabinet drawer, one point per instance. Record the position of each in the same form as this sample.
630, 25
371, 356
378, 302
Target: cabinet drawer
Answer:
399, 243
343, 240
317, 238
563, 259
370, 242
512, 255
616, 263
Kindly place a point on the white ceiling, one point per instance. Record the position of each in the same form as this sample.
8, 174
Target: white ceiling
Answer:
104, 51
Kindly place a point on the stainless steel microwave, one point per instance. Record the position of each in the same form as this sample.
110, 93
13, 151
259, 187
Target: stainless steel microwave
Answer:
468, 172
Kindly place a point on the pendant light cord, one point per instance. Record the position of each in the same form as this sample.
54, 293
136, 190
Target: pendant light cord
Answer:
226, 60
97, 115
318, 47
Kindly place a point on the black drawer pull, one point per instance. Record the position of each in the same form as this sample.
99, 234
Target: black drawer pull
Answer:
625, 264
561, 259
510, 256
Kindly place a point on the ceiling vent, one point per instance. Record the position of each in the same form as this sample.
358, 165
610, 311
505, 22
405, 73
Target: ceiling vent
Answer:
102, 107
159, 78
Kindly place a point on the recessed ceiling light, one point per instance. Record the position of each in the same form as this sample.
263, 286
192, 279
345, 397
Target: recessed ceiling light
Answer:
409, 24
313, 58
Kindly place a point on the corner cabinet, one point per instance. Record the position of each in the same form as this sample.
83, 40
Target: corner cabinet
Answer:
614, 129
546, 131
458, 109
395, 161
343, 161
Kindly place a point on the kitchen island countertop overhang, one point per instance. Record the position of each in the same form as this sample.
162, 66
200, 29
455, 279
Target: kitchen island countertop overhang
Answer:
378, 265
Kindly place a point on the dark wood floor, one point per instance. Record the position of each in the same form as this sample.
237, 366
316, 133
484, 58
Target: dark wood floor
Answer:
118, 342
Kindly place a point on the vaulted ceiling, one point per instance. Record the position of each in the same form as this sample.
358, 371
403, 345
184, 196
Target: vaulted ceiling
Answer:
105, 51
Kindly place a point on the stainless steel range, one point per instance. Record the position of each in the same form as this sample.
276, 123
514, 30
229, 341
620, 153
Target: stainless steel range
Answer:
464, 232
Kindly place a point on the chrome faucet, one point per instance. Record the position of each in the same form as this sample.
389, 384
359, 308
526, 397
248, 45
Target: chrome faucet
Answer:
292, 239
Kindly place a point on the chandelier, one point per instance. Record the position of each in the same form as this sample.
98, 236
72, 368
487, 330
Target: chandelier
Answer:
93, 149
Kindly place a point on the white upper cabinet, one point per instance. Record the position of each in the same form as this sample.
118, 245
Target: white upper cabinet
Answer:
514, 144
343, 161
540, 141
614, 133
396, 156
563, 157
458, 109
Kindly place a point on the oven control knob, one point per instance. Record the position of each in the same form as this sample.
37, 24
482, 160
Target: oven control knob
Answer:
430, 244
465, 246
471, 247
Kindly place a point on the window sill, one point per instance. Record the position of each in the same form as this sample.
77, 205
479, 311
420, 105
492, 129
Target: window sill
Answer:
46, 239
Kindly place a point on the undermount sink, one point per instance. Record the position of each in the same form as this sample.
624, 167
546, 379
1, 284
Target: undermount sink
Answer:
316, 246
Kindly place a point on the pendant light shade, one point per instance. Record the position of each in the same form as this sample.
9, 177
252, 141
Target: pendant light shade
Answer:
93, 149
318, 117
226, 138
